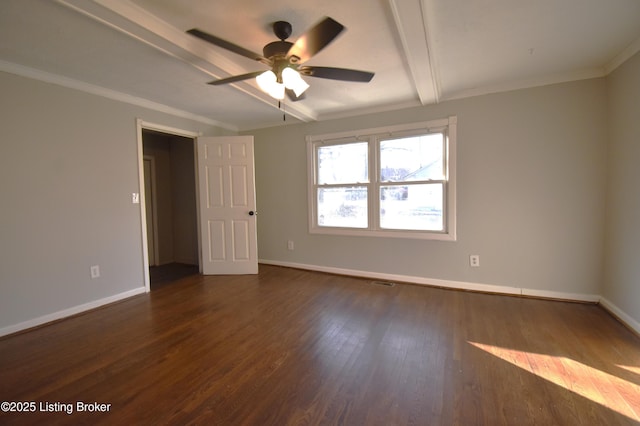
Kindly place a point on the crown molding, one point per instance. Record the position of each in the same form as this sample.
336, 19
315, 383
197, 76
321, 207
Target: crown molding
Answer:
82, 86
527, 84
623, 56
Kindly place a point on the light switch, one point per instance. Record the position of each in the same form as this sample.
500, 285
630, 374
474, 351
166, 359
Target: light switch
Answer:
135, 198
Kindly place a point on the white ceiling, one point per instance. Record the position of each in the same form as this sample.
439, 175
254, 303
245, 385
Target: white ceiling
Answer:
422, 51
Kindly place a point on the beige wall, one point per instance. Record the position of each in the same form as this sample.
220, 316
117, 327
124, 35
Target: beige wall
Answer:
622, 272
531, 173
68, 167
532, 167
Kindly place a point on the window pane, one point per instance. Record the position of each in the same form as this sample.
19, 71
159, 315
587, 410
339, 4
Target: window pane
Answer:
415, 207
413, 158
343, 207
347, 163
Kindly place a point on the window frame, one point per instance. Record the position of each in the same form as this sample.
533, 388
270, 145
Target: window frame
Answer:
373, 136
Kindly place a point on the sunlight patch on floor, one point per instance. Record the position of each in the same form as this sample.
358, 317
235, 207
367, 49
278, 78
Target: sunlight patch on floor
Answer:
596, 385
633, 369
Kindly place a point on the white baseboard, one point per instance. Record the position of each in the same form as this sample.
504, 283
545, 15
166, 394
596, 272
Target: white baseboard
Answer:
461, 285
458, 285
569, 297
68, 312
620, 314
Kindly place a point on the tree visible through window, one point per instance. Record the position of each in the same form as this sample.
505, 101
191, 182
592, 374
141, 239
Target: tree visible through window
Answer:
395, 182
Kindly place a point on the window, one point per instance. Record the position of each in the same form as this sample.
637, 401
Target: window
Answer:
392, 182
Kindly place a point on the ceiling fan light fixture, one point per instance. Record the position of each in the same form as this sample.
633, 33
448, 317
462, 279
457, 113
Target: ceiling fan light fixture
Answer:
277, 91
292, 80
268, 83
284, 58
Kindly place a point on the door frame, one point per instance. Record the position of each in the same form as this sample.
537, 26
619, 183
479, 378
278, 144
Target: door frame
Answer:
140, 125
154, 206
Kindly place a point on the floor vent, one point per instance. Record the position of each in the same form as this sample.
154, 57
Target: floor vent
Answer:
384, 283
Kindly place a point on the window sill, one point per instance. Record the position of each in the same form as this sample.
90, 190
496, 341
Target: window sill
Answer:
353, 232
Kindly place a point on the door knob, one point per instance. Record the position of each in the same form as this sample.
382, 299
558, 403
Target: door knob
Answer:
251, 213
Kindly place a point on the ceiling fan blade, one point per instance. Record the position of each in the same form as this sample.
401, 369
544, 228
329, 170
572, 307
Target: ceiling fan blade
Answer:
235, 78
292, 96
343, 74
228, 45
314, 40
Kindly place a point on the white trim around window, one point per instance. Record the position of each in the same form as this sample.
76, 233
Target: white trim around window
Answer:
381, 199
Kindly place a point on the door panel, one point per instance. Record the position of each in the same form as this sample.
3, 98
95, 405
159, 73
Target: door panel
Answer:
241, 239
239, 185
215, 189
227, 206
216, 241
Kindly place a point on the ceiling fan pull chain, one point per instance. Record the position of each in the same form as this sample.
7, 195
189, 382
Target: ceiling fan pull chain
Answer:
281, 107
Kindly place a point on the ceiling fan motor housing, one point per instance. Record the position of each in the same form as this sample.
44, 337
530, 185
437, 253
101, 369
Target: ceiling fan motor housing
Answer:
282, 29
276, 49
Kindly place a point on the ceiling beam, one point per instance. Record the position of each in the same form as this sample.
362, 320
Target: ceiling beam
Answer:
129, 18
411, 21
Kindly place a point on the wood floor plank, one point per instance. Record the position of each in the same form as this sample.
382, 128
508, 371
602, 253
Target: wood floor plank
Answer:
293, 347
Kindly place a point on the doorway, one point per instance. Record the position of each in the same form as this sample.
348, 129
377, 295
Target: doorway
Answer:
170, 206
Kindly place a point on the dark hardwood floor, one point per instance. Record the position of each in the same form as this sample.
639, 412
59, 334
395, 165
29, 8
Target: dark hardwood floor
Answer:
162, 275
298, 347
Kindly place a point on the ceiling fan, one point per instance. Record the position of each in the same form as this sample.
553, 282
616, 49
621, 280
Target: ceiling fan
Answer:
286, 59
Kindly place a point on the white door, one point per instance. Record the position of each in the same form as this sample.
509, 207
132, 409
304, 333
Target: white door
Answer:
227, 205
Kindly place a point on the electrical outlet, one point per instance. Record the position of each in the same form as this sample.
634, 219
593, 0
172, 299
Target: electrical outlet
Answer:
290, 245
95, 271
474, 260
